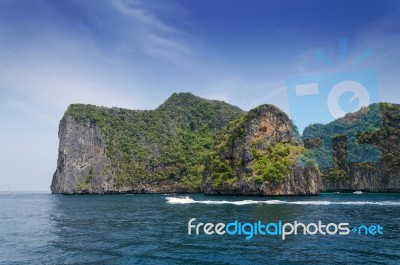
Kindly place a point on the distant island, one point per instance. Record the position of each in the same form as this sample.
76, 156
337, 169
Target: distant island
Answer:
191, 145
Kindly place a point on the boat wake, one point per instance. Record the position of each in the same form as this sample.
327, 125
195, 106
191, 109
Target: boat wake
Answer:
188, 200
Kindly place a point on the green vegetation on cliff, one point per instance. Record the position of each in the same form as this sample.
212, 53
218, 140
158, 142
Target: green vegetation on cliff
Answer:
366, 140
166, 144
84, 186
274, 162
190, 143
251, 149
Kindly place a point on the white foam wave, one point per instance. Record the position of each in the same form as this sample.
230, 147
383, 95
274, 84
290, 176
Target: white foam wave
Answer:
188, 200
181, 200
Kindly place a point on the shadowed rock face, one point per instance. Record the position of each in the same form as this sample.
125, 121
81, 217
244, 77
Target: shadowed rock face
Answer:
83, 165
377, 126
300, 181
94, 141
260, 129
81, 151
191, 144
113, 150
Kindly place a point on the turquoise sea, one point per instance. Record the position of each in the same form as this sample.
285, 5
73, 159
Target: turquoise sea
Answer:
40, 228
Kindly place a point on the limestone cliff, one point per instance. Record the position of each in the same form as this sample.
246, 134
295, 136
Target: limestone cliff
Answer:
81, 155
115, 150
190, 144
258, 154
362, 149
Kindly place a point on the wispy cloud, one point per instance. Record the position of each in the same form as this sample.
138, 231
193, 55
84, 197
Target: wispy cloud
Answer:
155, 37
248, 93
376, 46
53, 79
136, 10
25, 107
53, 68
168, 49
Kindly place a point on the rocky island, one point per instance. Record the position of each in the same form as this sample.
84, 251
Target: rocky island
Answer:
191, 144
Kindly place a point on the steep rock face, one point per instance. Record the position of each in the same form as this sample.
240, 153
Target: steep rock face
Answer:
190, 144
353, 167
258, 154
371, 178
115, 150
82, 159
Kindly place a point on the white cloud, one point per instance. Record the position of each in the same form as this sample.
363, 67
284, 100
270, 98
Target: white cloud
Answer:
56, 71
141, 15
52, 68
248, 93
381, 38
25, 107
156, 38
169, 49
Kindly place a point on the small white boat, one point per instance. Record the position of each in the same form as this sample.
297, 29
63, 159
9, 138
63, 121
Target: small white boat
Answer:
358, 192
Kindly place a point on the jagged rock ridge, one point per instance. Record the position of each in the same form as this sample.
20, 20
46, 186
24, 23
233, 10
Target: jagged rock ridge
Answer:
362, 148
190, 144
115, 150
258, 154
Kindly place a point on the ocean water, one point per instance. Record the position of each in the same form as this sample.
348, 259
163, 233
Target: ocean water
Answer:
153, 229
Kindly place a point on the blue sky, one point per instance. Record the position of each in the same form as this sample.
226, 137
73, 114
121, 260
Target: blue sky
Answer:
135, 54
